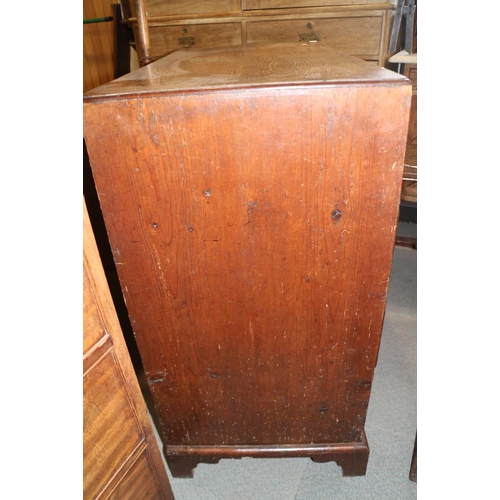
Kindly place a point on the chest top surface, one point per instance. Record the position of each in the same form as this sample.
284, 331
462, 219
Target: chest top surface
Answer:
247, 67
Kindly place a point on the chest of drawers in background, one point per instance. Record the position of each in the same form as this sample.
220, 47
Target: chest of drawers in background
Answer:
358, 27
251, 198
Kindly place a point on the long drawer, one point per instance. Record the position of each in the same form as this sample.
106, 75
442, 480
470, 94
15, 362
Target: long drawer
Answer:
358, 36
282, 4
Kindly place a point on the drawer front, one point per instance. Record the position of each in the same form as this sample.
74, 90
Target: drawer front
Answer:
133, 486
282, 4
175, 8
111, 431
167, 39
93, 329
354, 35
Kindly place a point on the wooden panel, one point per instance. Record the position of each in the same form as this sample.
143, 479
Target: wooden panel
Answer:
93, 330
136, 484
190, 7
106, 406
354, 35
409, 190
117, 434
365, 38
166, 39
410, 71
253, 229
279, 4
259, 66
98, 51
279, 329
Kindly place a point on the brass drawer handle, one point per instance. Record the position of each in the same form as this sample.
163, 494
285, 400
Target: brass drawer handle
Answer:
186, 41
309, 37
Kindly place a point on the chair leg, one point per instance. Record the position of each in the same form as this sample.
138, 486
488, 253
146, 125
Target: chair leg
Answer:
143, 45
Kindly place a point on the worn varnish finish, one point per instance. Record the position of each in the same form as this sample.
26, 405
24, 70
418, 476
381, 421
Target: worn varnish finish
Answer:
121, 457
251, 198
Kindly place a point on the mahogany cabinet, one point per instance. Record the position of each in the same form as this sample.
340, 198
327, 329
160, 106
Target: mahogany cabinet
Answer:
251, 199
121, 459
358, 27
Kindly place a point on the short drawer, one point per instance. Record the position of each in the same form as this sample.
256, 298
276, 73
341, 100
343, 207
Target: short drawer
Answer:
353, 35
283, 4
167, 39
188, 7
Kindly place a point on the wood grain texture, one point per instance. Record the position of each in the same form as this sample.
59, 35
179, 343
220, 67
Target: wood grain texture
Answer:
341, 33
191, 7
253, 226
142, 34
344, 23
352, 457
167, 39
93, 330
98, 50
120, 450
106, 406
280, 4
409, 190
270, 65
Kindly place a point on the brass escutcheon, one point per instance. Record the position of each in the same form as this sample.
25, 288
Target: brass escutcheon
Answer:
186, 41
309, 37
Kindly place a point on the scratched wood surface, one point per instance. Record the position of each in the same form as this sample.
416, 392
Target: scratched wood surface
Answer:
253, 230
270, 65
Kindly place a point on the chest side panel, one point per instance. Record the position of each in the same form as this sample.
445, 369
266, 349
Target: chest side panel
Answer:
253, 234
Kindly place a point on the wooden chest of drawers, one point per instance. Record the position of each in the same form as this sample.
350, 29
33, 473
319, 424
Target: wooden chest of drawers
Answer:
251, 199
121, 459
358, 27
